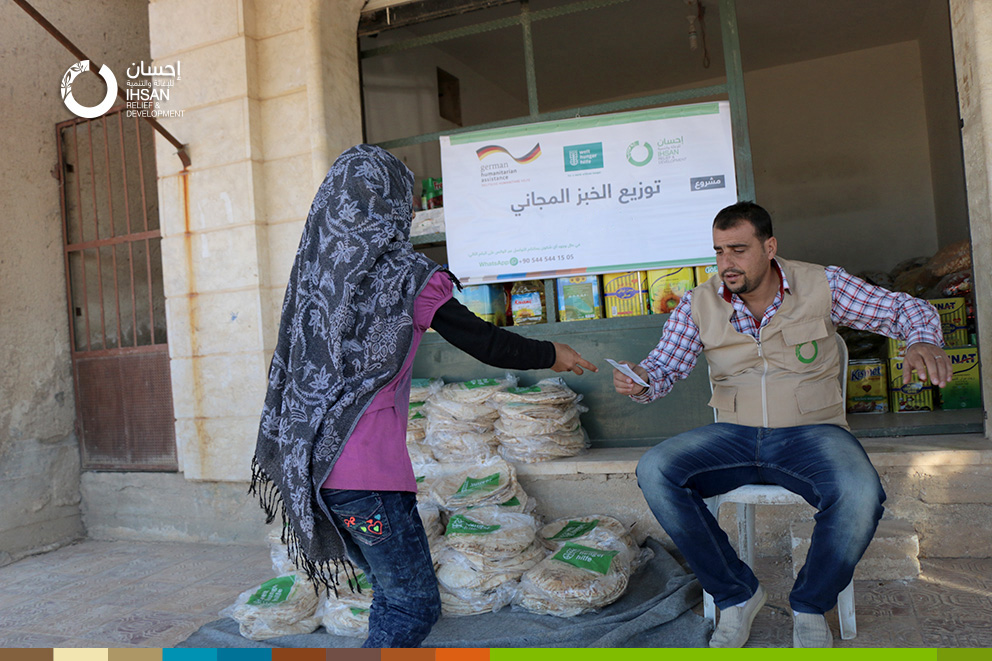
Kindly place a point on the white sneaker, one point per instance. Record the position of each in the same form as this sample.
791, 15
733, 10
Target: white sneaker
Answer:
811, 630
734, 626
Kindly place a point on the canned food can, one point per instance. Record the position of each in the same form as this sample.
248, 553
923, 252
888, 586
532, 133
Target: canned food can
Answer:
867, 387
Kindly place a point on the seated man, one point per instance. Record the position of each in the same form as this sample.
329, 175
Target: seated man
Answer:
767, 328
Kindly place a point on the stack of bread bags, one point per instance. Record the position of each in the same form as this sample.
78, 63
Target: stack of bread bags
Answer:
421, 390
281, 606
487, 549
460, 419
592, 558
539, 423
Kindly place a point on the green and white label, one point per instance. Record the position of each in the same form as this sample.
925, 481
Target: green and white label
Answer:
524, 391
474, 485
358, 611
583, 557
462, 525
274, 591
362, 582
574, 529
480, 383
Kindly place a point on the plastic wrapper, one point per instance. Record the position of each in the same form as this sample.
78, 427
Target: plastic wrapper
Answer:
952, 257
341, 618
531, 449
423, 389
877, 278
420, 454
491, 532
281, 606
467, 602
915, 282
279, 552
430, 516
476, 391
518, 421
907, 265
547, 392
583, 530
576, 579
457, 447
954, 284
443, 408
518, 502
489, 482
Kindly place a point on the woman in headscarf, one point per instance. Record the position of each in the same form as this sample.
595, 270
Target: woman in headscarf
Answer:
331, 453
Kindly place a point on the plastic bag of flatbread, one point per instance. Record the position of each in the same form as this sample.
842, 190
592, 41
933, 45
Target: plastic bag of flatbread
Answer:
420, 453
542, 447
460, 447
513, 421
476, 391
342, 618
576, 579
518, 502
490, 532
456, 603
594, 530
423, 389
280, 606
441, 408
416, 417
430, 516
547, 392
490, 482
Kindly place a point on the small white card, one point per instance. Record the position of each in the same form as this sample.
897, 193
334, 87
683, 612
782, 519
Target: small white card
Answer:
627, 372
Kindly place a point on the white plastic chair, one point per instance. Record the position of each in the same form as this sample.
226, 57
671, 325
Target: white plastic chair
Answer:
749, 495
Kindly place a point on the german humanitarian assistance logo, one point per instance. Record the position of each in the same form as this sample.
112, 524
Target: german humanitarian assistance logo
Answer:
88, 112
489, 150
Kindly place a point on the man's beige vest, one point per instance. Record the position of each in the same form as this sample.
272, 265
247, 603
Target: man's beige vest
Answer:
791, 375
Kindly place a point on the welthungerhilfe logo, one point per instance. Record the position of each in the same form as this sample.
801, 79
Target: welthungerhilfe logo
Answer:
88, 112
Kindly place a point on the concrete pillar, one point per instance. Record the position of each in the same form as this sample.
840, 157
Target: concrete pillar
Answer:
971, 27
270, 96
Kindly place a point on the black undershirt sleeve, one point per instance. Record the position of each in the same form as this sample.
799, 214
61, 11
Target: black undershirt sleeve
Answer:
489, 343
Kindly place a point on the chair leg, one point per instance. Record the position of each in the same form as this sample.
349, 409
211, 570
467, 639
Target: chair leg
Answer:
745, 533
845, 612
709, 607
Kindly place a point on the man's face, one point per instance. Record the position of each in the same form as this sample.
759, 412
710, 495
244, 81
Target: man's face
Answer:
742, 260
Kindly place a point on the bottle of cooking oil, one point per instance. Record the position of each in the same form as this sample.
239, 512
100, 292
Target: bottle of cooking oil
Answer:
527, 302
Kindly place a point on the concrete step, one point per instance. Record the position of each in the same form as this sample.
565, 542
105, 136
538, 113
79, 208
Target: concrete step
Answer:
893, 553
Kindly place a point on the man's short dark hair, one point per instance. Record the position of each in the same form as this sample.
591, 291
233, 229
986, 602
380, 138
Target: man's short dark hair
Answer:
750, 212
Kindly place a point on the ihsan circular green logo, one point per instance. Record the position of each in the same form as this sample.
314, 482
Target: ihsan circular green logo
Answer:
639, 153
513, 261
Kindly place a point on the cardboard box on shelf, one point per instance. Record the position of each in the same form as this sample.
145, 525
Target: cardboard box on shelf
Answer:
579, 298
965, 389
704, 273
953, 320
912, 396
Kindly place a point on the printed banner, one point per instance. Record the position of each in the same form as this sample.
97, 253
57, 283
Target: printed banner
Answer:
601, 194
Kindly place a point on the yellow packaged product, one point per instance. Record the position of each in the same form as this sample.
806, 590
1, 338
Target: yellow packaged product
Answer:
867, 387
912, 396
666, 287
953, 320
704, 273
527, 303
626, 294
965, 389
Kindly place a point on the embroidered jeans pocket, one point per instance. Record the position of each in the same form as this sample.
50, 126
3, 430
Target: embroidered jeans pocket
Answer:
365, 519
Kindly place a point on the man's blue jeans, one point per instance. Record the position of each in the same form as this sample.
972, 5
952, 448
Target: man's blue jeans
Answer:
824, 464
393, 553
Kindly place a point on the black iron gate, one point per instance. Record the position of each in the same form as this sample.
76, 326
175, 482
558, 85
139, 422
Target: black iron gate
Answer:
113, 264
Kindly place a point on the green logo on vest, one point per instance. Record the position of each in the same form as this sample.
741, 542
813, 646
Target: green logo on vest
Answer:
803, 359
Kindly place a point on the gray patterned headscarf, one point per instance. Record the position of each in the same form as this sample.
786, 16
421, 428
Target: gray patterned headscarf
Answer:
345, 332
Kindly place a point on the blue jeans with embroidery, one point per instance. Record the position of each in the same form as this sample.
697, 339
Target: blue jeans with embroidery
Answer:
385, 538
824, 464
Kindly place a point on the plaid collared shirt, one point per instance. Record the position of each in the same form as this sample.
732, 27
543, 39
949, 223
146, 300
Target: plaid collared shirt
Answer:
856, 304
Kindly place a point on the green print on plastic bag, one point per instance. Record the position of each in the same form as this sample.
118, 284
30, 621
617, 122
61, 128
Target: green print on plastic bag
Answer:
575, 529
583, 557
273, 591
363, 582
462, 525
480, 383
472, 485
358, 611
523, 391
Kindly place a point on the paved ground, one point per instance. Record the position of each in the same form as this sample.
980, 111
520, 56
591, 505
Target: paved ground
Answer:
119, 594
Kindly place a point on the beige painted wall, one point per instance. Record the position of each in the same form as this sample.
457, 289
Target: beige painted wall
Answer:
971, 24
269, 98
39, 455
